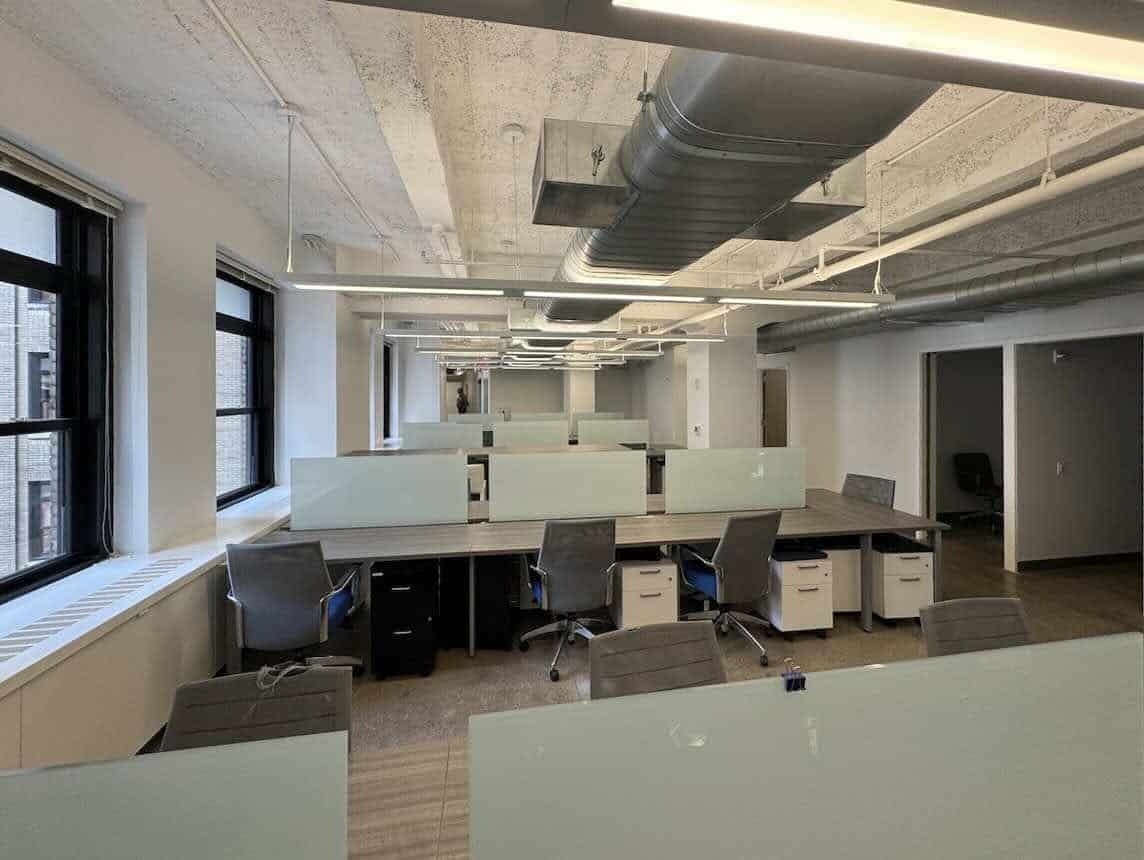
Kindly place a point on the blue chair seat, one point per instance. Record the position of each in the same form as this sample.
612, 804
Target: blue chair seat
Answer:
339, 606
699, 576
537, 591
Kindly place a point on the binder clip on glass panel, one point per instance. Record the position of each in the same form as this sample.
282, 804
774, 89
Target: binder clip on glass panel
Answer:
794, 681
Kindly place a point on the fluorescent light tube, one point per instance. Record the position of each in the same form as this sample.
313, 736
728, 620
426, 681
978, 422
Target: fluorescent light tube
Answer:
444, 335
928, 29
419, 291
613, 297
800, 303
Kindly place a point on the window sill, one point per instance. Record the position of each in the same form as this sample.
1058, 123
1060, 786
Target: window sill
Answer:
244, 521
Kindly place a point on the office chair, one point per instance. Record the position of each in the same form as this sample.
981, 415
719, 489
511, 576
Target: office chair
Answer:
282, 598
974, 475
737, 573
974, 624
275, 702
656, 657
880, 491
572, 574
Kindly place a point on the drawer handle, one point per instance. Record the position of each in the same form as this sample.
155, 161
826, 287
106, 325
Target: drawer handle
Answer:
401, 588
402, 633
808, 567
812, 588
909, 557
909, 579
652, 594
650, 572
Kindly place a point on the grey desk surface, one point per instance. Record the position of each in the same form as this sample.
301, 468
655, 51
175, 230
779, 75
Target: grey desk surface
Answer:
826, 513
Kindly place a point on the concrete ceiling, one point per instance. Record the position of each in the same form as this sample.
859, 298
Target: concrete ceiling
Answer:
409, 108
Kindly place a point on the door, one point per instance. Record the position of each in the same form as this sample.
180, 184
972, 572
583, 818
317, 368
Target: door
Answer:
773, 421
386, 362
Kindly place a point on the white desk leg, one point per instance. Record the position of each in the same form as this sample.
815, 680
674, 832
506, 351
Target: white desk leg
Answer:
935, 545
867, 545
472, 606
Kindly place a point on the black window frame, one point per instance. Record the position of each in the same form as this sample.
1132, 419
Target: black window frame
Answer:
81, 281
260, 331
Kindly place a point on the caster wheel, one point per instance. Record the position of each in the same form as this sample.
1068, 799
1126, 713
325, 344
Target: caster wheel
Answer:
523, 646
425, 673
822, 634
765, 660
766, 633
787, 637
553, 674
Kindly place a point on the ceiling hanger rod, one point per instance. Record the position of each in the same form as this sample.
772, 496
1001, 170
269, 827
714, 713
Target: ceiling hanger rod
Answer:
252, 61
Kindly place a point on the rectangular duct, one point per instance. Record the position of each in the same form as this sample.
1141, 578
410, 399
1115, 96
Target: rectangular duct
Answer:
576, 181
817, 207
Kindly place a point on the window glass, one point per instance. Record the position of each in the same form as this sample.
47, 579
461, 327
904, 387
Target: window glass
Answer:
232, 300
233, 461
29, 501
27, 355
232, 370
28, 227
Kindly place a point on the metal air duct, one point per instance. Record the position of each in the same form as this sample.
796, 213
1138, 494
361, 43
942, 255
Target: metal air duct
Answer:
720, 150
1109, 271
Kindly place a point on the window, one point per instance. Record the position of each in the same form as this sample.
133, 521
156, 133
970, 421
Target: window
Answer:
55, 259
244, 389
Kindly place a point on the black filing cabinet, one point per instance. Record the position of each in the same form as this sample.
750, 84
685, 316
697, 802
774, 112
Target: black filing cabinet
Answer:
403, 608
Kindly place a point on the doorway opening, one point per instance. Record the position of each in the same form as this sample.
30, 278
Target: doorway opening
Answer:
773, 411
387, 430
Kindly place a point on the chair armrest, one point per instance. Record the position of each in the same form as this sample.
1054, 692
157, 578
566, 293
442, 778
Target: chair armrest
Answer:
543, 573
236, 617
349, 582
684, 549
609, 590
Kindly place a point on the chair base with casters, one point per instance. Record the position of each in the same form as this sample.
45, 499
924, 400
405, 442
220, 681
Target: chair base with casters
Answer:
567, 628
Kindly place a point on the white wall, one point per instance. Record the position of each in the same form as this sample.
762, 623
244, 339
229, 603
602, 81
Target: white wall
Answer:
735, 390
353, 379
856, 404
579, 392
164, 286
698, 430
660, 396
307, 366
615, 388
527, 391
419, 386
968, 419
1084, 413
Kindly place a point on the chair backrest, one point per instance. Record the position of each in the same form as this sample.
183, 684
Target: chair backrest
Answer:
576, 554
232, 709
657, 657
973, 471
974, 624
280, 586
880, 491
743, 555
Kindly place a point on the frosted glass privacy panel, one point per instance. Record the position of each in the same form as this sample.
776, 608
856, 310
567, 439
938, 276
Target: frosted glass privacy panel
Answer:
529, 434
577, 417
484, 419
429, 435
565, 486
614, 430
266, 800
362, 492
538, 416
1020, 752
734, 479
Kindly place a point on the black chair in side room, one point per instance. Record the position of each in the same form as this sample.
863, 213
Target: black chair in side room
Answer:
974, 475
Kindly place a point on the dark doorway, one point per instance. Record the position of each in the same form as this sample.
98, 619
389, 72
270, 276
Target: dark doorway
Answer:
386, 417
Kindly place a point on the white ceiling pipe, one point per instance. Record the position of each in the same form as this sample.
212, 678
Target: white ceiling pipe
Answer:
703, 316
1078, 180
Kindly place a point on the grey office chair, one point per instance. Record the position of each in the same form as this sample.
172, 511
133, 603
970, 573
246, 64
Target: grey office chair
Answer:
974, 624
282, 598
572, 574
275, 702
880, 491
738, 573
652, 658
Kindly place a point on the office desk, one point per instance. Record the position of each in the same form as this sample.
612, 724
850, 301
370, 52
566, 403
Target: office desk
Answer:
1021, 752
266, 800
827, 514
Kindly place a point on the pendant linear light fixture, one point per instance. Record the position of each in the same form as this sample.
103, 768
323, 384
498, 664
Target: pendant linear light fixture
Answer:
924, 28
493, 287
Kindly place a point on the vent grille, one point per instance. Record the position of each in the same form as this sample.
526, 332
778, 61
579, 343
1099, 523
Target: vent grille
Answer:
29, 636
